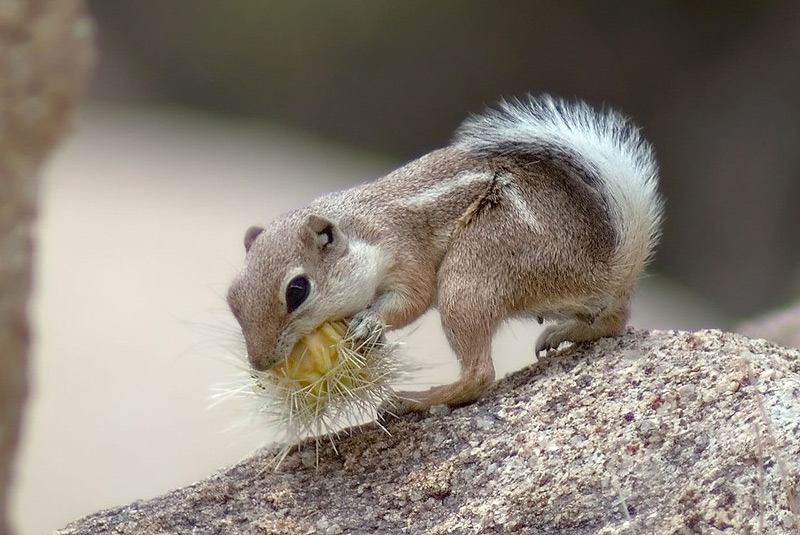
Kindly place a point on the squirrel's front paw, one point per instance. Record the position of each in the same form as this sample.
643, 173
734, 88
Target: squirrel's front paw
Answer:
365, 325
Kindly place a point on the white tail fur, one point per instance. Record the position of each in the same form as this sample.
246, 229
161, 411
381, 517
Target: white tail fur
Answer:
604, 147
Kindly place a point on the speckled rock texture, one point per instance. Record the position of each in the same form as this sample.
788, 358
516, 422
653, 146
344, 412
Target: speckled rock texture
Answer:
651, 432
45, 54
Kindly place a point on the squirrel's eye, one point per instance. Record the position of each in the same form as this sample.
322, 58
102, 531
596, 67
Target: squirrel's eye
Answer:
296, 292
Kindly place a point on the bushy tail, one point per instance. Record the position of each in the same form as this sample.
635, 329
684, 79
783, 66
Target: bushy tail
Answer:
604, 147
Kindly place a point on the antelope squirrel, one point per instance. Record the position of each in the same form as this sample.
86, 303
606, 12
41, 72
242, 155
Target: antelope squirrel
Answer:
541, 208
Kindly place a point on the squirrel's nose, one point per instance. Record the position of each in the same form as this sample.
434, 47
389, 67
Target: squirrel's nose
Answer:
257, 363
259, 360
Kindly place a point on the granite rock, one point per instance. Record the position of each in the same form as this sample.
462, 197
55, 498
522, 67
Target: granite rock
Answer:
650, 432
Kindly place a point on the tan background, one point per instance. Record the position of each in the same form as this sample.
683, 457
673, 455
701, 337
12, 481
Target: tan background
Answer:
714, 89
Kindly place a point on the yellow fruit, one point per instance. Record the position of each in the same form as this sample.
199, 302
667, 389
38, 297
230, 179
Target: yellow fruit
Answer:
313, 356
329, 381
325, 368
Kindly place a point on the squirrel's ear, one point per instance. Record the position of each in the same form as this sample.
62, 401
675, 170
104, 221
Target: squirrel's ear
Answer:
251, 235
324, 233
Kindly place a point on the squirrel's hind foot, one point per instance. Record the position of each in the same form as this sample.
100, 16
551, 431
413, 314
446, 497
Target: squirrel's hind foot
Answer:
584, 328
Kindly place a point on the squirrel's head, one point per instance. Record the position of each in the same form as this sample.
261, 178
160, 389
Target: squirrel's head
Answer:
299, 272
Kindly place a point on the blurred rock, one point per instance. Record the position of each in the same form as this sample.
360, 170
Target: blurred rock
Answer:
45, 55
781, 327
651, 432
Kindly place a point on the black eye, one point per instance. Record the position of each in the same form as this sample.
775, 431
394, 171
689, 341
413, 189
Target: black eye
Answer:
296, 292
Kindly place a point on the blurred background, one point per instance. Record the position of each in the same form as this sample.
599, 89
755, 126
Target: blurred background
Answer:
714, 86
205, 117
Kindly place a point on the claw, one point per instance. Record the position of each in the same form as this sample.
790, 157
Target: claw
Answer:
364, 325
550, 338
541, 345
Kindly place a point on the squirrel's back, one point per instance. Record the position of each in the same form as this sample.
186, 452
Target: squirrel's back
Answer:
603, 148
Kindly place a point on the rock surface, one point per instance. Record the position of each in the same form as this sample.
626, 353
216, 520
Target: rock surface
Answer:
652, 432
45, 54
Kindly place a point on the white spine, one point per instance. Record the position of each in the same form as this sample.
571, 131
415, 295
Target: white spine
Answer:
604, 146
